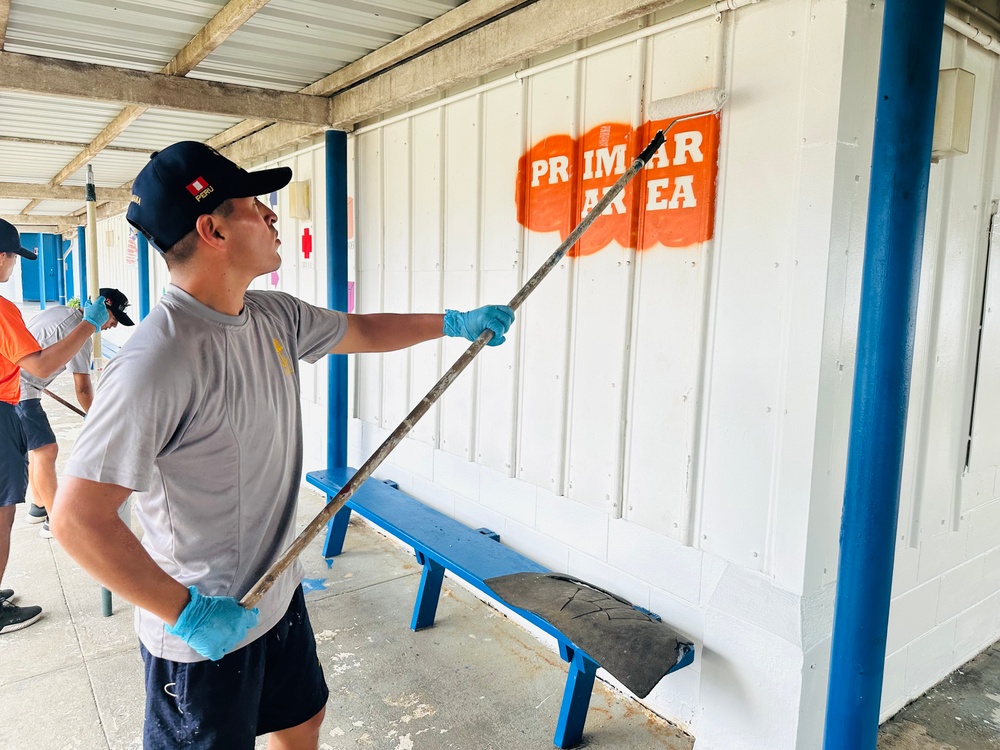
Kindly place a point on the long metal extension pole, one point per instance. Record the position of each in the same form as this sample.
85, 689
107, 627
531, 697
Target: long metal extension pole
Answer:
64, 402
93, 289
369, 466
897, 203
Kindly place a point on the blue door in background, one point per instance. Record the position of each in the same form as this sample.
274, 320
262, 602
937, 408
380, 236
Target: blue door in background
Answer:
68, 273
47, 246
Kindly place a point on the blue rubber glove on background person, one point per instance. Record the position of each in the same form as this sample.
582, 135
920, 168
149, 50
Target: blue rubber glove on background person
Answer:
469, 325
213, 625
96, 312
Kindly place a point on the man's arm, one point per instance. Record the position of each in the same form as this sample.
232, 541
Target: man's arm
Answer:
43, 363
386, 332
84, 389
85, 522
46, 361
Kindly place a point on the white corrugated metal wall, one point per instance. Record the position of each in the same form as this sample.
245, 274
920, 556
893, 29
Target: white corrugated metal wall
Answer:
630, 432
672, 423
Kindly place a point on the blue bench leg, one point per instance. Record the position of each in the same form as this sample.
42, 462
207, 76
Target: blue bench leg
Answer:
336, 530
428, 594
576, 698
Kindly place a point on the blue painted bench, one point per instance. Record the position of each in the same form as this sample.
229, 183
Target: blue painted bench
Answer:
474, 555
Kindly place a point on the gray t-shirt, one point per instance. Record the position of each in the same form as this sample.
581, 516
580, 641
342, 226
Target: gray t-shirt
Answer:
199, 414
49, 326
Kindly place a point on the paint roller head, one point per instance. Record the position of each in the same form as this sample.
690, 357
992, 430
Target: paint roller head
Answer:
685, 105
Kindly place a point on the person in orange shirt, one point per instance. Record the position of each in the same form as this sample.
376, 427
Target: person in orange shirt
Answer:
18, 349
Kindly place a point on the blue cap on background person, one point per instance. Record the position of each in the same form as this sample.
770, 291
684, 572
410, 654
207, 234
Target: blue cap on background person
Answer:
10, 241
186, 180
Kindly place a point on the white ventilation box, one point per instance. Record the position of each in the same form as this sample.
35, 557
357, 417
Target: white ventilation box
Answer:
953, 113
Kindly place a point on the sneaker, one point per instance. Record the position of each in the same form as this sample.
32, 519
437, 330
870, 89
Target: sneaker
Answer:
15, 618
44, 532
6, 594
36, 514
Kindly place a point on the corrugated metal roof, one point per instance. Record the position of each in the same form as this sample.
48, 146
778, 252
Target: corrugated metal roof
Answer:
292, 43
111, 169
158, 128
139, 34
11, 205
29, 162
31, 116
58, 208
287, 45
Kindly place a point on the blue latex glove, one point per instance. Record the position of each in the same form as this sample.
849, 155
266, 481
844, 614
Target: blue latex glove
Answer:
96, 313
469, 325
213, 625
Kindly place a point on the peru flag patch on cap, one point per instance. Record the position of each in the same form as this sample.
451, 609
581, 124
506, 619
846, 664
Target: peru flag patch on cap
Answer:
198, 186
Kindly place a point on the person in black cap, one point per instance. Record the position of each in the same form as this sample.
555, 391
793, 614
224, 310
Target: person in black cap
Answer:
48, 327
199, 413
19, 350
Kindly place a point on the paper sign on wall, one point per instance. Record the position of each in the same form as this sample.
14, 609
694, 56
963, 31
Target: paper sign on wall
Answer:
132, 248
671, 202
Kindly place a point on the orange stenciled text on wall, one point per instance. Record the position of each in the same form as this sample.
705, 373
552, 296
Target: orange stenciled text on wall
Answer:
670, 203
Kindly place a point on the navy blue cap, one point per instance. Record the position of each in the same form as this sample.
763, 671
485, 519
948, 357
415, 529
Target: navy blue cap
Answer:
10, 241
186, 180
116, 301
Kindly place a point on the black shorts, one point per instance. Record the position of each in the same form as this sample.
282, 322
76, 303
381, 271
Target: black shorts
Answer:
274, 683
36, 425
13, 457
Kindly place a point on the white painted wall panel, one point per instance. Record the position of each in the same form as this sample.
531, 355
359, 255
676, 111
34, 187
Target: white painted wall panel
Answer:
545, 317
462, 242
396, 277
601, 291
426, 259
952, 284
497, 383
668, 319
503, 272
748, 344
456, 406
667, 331
985, 437
368, 289
706, 390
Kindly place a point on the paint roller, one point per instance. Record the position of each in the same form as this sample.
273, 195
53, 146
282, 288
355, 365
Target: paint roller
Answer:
676, 109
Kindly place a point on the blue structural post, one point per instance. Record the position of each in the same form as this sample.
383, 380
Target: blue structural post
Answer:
142, 248
904, 124
81, 259
336, 284
41, 272
60, 268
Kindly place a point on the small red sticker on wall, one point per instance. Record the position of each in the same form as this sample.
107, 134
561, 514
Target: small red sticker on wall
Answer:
671, 202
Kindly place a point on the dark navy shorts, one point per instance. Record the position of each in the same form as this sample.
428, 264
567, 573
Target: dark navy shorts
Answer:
36, 425
13, 457
274, 683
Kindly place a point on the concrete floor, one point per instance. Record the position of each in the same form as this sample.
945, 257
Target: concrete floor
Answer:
474, 680
962, 712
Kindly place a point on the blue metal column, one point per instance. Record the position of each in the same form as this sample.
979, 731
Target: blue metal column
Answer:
81, 259
142, 247
336, 284
41, 272
904, 124
60, 268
